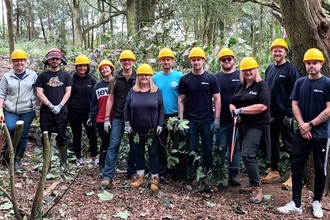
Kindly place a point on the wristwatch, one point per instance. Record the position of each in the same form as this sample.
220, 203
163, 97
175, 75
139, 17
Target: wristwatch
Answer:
311, 124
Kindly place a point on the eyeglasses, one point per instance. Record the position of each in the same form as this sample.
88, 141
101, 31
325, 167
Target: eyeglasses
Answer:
226, 59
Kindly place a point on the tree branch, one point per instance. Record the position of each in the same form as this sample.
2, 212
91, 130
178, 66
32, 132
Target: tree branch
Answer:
101, 22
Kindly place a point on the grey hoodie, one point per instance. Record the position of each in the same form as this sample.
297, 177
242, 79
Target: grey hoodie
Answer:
19, 94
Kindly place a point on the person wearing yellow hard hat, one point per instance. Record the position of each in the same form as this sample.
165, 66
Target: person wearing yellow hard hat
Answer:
97, 109
250, 109
196, 90
280, 77
167, 80
228, 79
18, 102
54, 89
144, 117
78, 109
311, 108
119, 87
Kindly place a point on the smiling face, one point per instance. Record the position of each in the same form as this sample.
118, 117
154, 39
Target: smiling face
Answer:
249, 75
197, 63
227, 63
105, 70
19, 65
166, 63
82, 69
144, 79
127, 64
279, 54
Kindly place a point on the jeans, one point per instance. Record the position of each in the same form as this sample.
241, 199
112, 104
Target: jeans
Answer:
117, 130
203, 130
224, 142
152, 152
12, 118
249, 142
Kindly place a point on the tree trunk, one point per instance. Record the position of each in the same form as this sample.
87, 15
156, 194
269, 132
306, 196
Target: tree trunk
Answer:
260, 29
77, 32
130, 17
31, 18
10, 23
145, 13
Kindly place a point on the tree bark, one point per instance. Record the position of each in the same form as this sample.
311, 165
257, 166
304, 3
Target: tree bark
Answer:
31, 18
10, 23
130, 17
76, 17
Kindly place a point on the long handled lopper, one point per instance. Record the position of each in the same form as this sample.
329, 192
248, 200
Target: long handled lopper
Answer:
233, 140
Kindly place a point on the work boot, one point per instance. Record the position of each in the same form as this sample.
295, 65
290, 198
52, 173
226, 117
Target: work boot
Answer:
256, 196
233, 176
246, 189
105, 183
271, 177
18, 157
154, 183
208, 184
138, 181
63, 150
288, 183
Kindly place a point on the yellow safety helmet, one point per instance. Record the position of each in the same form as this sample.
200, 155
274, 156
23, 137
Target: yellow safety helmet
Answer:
279, 43
18, 54
225, 52
144, 69
197, 52
106, 62
313, 54
82, 59
248, 63
165, 52
127, 54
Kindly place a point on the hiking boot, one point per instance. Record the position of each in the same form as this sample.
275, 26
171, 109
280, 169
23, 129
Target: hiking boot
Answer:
105, 182
246, 190
317, 209
290, 208
154, 183
271, 177
233, 176
208, 183
18, 157
256, 196
80, 162
288, 183
138, 181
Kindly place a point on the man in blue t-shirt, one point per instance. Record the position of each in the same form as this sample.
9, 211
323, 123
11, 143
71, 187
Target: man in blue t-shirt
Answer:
311, 108
196, 90
228, 79
167, 81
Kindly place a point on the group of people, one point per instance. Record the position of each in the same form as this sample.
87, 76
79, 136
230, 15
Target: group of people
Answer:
139, 103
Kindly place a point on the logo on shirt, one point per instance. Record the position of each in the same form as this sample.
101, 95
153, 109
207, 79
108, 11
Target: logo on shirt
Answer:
204, 83
174, 84
253, 93
54, 82
317, 90
101, 92
282, 76
235, 80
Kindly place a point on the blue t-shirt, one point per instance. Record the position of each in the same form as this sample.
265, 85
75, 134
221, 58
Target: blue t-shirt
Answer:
312, 97
168, 85
199, 90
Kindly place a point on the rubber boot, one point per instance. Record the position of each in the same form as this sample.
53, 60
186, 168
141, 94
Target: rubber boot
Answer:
102, 156
233, 176
18, 157
63, 150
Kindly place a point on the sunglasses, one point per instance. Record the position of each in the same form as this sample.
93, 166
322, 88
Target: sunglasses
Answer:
226, 59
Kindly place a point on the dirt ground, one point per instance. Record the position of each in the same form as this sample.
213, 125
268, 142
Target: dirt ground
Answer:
82, 201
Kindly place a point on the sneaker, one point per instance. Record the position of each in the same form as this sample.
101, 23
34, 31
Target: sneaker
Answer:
96, 162
80, 162
271, 177
290, 208
317, 209
245, 190
256, 196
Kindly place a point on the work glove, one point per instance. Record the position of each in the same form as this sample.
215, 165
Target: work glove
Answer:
128, 129
237, 111
215, 126
2, 116
159, 130
287, 121
37, 113
57, 109
89, 122
51, 106
107, 125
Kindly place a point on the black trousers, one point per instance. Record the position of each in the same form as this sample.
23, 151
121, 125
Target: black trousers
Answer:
300, 153
277, 128
105, 141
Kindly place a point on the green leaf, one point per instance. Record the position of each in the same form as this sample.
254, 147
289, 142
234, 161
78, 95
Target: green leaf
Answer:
210, 204
136, 138
167, 202
90, 193
50, 176
149, 142
6, 206
68, 178
171, 161
105, 195
122, 215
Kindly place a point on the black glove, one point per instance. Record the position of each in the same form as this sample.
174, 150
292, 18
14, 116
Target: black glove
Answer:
287, 121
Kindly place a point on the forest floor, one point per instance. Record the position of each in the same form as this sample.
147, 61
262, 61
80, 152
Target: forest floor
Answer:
84, 199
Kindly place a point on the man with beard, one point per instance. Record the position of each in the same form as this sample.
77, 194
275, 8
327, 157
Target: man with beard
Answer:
311, 108
280, 77
196, 90
53, 90
228, 79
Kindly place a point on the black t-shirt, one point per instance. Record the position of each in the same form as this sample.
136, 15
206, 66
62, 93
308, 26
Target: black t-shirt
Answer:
199, 90
228, 84
256, 93
312, 97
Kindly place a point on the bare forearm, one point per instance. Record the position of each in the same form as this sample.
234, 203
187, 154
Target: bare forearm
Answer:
181, 102
254, 109
42, 97
297, 113
322, 117
109, 105
217, 105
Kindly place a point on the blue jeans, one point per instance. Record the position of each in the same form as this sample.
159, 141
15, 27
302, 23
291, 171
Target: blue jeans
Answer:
152, 152
224, 141
117, 130
12, 118
203, 130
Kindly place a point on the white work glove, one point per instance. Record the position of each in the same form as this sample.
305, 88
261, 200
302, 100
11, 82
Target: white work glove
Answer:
159, 130
89, 122
238, 111
128, 129
57, 108
107, 125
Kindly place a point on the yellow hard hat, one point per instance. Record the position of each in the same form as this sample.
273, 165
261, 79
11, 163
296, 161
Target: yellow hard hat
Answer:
313, 54
197, 52
165, 52
144, 69
18, 54
106, 62
279, 43
82, 59
248, 63
225, 52
127, 54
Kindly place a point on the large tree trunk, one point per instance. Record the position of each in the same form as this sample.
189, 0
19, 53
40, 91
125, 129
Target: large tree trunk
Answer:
10, 23
130, 17
77, 32
31, 18
145, 13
